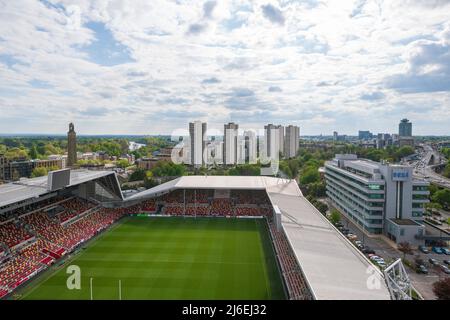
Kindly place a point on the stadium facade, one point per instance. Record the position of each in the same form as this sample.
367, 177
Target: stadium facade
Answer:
44, 223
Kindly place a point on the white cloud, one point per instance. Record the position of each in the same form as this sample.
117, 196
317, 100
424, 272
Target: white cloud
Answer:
329, 59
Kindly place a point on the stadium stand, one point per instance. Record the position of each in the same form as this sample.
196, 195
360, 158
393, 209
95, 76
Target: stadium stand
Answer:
174, 209
17, 270
12, 234
198, 196
53, 239
221, 207
149, 205
73, 208
294, 280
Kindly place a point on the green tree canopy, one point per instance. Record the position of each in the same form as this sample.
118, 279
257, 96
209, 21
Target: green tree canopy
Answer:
442, 197
309, 175
39, 172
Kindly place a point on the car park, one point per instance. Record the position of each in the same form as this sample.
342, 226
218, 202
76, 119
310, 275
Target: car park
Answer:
438, 250
422, 269
445, 269
433, 261
352, 236
368, 251
424, 249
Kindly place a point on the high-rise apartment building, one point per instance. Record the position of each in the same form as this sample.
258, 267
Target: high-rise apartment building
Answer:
230, 143
197, 133
291, 141
250, 147
274, 140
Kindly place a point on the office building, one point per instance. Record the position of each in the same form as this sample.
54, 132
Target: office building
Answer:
405, 137
197, 134
230, 143
71, 146
378, 197
365, 135
291, 141
405, 128
14, 169
335, 136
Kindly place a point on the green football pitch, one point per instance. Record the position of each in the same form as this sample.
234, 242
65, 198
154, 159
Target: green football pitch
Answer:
170, 258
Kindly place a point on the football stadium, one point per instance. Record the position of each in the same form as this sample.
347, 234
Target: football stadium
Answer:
195, 237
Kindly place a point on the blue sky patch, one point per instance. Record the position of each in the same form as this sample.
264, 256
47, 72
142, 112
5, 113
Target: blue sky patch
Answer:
39, 84
105, 50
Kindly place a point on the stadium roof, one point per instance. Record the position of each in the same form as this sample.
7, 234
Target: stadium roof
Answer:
25, 189
332, 266
217, 182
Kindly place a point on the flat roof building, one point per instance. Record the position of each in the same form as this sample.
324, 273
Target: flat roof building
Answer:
378, 197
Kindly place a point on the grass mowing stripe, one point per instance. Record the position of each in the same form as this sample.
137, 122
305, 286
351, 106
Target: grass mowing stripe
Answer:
174, 258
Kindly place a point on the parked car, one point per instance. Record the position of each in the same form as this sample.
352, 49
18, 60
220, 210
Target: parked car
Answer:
438, 250
422, 269
352, 236
434, 262
445, 269
447, 262
368, 251
446, 251
424, 249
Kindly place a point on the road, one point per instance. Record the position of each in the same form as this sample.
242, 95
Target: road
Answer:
423, 170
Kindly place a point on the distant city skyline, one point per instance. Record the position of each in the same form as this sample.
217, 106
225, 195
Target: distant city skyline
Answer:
149, 67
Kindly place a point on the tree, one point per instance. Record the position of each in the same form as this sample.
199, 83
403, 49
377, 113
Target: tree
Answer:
16, 153
39, 172
310, 175
122, 163
335, 216
405, 247
138, 175
149, 182
442, 197
317, 189
34, 152
446, 172
441, 289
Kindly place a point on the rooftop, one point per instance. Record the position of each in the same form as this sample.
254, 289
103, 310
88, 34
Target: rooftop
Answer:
25, 189
404, 222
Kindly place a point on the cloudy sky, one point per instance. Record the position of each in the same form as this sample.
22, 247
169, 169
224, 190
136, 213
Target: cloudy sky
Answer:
149, 67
